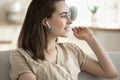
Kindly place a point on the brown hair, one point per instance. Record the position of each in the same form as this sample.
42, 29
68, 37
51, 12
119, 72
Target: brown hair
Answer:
33, 35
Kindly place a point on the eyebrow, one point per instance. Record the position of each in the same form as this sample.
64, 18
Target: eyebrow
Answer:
64, 13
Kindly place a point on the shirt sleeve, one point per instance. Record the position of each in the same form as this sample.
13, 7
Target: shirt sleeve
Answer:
82, 58
18, 65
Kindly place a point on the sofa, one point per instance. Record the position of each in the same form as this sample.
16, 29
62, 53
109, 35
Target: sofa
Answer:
5, 66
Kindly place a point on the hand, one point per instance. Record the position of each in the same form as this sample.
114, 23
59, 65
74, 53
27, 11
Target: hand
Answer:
82, 33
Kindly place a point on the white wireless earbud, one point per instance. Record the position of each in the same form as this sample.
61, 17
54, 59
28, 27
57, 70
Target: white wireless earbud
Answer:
48, 24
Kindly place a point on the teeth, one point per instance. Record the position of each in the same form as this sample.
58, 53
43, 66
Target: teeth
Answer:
67, 28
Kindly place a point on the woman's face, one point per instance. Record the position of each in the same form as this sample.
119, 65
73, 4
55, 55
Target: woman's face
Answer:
60, 21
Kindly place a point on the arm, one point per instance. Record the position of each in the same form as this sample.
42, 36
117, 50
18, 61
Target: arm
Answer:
20, 69
27, 76
104, 66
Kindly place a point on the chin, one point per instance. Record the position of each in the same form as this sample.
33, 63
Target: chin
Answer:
64, 36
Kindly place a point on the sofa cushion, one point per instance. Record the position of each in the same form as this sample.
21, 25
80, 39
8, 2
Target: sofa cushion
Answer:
4, 65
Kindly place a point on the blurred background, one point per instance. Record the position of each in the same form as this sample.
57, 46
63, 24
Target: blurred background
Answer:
101, 16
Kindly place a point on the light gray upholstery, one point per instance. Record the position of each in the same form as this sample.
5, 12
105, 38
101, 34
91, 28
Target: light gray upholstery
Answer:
5, 65
115, 56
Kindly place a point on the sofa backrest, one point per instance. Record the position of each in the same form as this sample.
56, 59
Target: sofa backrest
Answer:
5, 67
115, 56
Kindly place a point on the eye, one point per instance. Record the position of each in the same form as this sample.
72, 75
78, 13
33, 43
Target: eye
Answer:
64, 16
69, 16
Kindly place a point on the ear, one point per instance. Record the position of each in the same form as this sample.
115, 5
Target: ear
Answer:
44, 22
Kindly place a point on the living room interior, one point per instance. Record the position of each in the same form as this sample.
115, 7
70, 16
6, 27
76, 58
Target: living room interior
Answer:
101, 16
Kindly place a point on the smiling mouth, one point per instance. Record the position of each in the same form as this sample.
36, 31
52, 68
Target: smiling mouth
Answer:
67, 28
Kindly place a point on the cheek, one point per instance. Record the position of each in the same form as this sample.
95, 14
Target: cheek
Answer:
58, 27
59, 24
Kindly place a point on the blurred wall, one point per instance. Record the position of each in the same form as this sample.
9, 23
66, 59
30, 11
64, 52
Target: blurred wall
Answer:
109, 39
5, 4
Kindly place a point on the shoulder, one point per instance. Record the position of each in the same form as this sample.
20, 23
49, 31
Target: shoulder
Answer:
19, 53
71, 48
14, 53
68, 45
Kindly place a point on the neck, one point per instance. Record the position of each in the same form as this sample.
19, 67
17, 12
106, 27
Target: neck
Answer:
51, 51
51, 43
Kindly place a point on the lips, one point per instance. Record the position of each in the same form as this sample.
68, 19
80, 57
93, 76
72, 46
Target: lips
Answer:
67, 28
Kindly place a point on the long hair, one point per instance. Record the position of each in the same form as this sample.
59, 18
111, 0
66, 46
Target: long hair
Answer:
33, 36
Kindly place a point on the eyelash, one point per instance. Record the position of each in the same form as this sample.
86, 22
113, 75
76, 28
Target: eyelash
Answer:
65, 16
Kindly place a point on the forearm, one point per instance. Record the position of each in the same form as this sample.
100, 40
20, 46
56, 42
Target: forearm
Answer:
27, 76
103, 59
104, 66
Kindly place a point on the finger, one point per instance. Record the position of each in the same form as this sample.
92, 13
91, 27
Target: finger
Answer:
75, 30
81, 27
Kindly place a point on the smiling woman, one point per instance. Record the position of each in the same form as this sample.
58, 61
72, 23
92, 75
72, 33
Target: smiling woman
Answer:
40, 57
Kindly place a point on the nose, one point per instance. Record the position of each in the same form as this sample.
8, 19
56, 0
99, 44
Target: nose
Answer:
69, 21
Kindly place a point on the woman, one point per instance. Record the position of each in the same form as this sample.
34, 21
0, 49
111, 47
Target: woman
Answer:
39, 57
